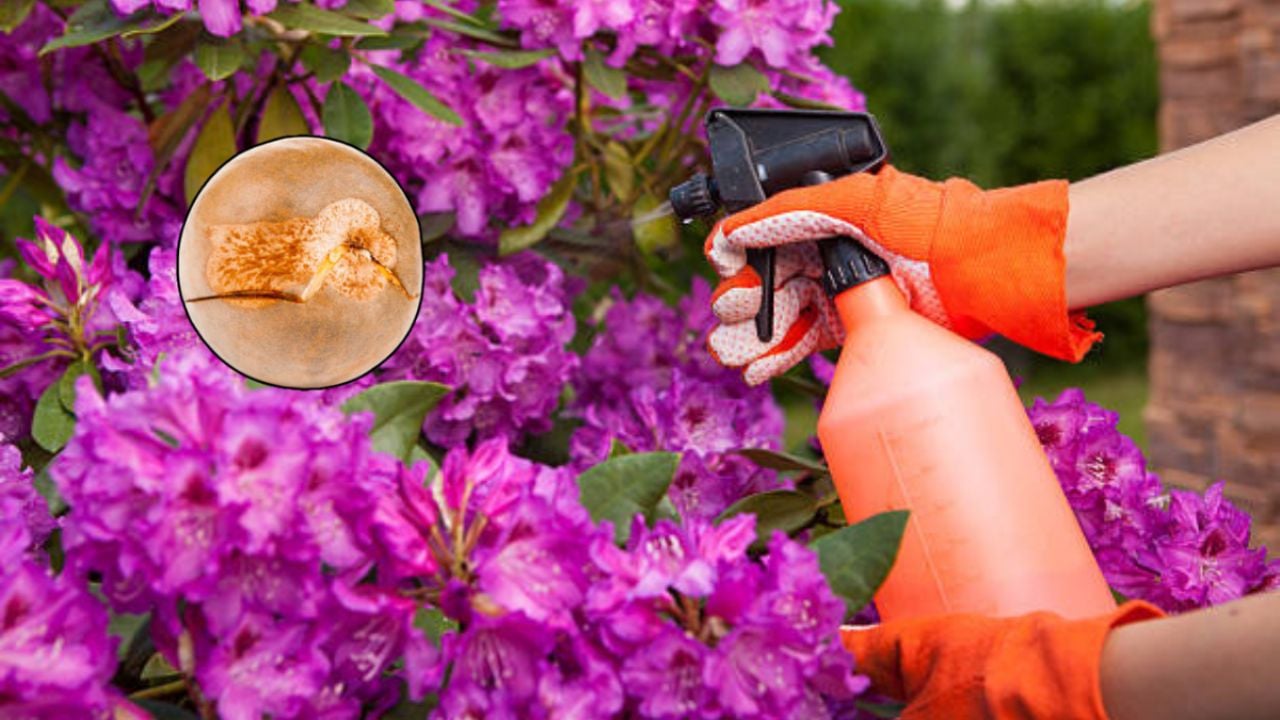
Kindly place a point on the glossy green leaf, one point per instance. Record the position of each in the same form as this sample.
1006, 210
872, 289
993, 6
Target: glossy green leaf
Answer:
856, 559
435, 225
551, 209
281, 117
51, 425
325, 63
621, 487
399, 409
611, 81
737, 85
399, 39
163, 710
346, 117
433, 623
509, 59
13, 12
67, 383
95, 21
219, 59
413, 91
215, 144
472, 31
786, 462
368, 9
316, 20
785, 510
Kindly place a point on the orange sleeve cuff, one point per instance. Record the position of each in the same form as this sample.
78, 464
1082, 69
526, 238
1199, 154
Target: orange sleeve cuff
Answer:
999, 267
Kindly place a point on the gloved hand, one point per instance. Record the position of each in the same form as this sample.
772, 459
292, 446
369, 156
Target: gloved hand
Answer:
1035, 666
978, 262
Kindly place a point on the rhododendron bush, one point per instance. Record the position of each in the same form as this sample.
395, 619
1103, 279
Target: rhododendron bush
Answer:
550, 501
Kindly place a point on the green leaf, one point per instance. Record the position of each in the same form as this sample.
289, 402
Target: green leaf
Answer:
95, 21
785, 510
435, 225
163, 710
617, 448
856, 559
398, 411
444, 7
326, 64
316, 20
13, 12
653, 229
49, 491
411, 90
739, 84
619, 488
219, 59
433, 623
611, 81
786, 462
215, 144
369, 9
281, 117
472, 31
67, 383
131, 629
509, 59
52, 425
399, 39
888, 709
550, 209
346, 117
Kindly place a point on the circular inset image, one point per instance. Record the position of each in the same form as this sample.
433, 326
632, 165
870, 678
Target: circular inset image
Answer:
300, 263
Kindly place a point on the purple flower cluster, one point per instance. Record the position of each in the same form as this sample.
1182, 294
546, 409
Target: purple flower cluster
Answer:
110, 182
66, 318
503, 354
781, 32
221, 17
1177, 548
512, 144
24, 515
649, 383
242, 522
56, 658
554, 620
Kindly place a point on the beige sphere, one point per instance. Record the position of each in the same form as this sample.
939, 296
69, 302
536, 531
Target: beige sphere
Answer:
300, 263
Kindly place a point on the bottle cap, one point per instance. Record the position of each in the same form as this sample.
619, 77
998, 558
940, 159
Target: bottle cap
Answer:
848, 264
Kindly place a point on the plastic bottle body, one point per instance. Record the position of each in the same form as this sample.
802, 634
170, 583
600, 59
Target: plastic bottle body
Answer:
921, 419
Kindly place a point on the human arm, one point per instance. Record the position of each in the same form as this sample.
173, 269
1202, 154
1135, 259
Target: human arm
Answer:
1207, 210
1218, 662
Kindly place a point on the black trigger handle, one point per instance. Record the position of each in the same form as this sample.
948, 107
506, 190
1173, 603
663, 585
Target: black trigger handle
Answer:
763, 261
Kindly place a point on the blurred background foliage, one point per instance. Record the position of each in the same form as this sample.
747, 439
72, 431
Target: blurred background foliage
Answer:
1011, 92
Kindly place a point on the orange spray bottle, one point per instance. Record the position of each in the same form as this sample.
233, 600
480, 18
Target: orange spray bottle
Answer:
916, 418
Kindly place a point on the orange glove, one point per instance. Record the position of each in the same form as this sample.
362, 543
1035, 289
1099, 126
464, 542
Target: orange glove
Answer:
978, 262
970, 666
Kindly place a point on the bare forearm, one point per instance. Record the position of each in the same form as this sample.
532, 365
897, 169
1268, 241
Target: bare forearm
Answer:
1214, 663
1207, 210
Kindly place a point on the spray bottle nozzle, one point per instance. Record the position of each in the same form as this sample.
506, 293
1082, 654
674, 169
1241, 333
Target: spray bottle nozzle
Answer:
757, 153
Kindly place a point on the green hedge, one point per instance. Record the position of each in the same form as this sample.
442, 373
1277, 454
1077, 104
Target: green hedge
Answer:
1005, 93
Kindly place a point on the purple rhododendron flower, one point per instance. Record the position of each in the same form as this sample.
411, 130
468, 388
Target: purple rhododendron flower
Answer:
241, 519
221, 17
110, 182
1178, 549
781, 30
504, 354
56, 658
649, 383
20, 504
